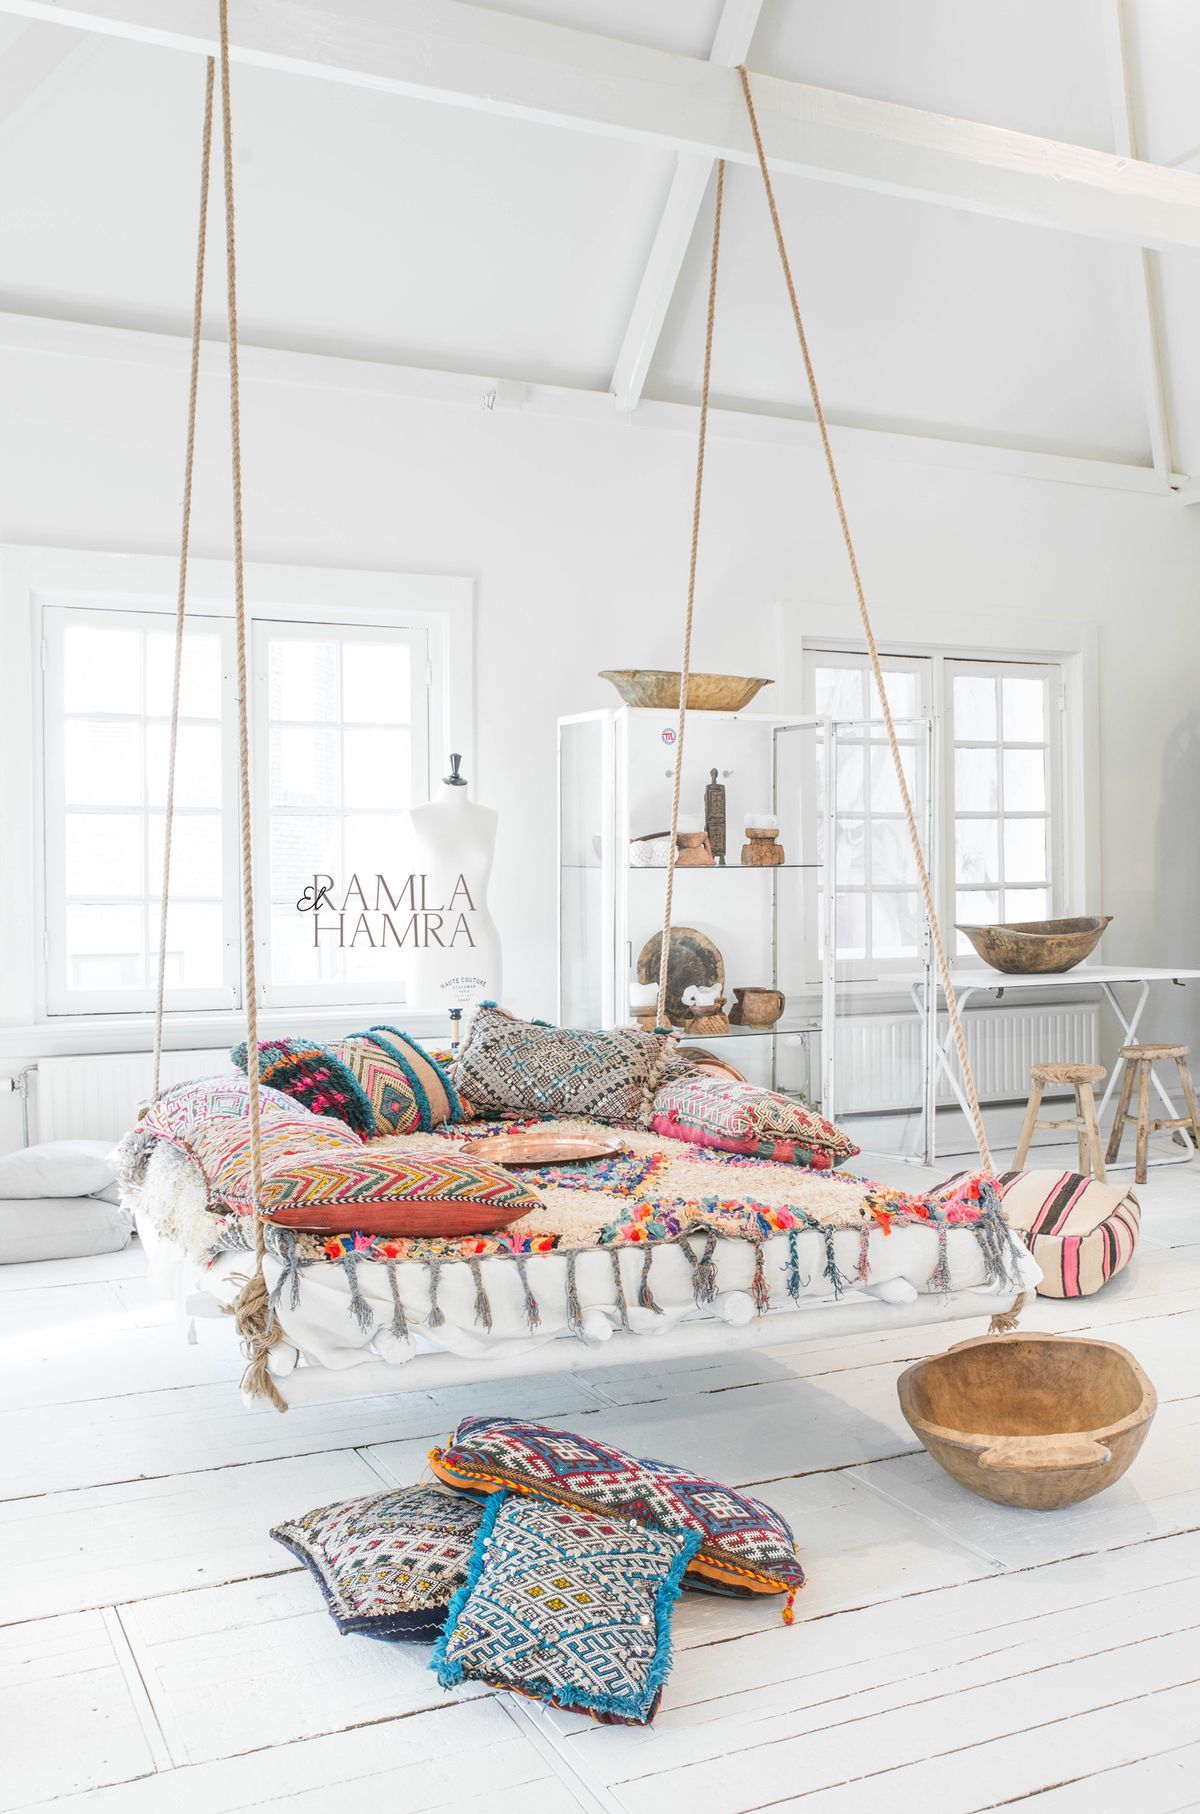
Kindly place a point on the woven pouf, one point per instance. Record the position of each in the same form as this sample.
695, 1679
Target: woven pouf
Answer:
1080, 1232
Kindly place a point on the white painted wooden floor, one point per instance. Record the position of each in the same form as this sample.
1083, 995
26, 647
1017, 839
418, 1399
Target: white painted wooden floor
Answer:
159, 1655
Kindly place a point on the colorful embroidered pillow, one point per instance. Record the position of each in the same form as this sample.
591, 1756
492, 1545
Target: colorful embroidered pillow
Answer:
210, 1122
745, 1118
388, 1563
380, 1082
511, 1066
743, 1543
378, 1192
567, 1606
200, 1099
1081, 1232
314, 1076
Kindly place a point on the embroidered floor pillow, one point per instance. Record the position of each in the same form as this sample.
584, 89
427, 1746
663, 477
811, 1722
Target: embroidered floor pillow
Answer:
511, 1066
316, 1077
190, 1105
743, 1543
385, 1193
745, 1118
567, 1606
379, 1082
210, 1122
388, 1563
1081, 1232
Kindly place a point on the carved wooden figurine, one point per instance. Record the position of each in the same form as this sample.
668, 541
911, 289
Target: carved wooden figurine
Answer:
714, 816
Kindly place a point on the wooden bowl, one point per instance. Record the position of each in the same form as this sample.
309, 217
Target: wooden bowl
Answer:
1037, 947
659, 688
1038, 1421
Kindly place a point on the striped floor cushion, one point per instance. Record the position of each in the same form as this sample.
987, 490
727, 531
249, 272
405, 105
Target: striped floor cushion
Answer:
1080, 1232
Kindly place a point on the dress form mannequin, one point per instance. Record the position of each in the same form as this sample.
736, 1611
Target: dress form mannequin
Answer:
451, 844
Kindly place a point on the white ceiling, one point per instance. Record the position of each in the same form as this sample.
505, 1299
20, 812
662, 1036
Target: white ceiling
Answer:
384, 228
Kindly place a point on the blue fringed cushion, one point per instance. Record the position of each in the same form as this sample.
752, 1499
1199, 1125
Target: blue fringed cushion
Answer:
313, 1076
378, 1082
566, 1606
388, 1563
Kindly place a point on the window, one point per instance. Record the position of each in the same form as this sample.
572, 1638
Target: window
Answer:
340, 718
996, 802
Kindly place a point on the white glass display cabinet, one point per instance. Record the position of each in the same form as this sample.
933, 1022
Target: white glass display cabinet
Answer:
748, 926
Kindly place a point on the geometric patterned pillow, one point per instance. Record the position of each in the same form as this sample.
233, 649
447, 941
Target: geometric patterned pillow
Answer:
210, 1122
1081, 1232
407, 1088
315, 1077
526, 1067
569, 1607
716, 1112
382, 1192
388, 1563
200, 1099
744, 1545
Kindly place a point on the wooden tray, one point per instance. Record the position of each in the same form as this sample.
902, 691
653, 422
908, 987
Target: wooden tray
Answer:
543, 1149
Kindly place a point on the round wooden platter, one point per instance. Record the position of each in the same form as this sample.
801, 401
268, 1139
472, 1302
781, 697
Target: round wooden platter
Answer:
543, 1149
693, 960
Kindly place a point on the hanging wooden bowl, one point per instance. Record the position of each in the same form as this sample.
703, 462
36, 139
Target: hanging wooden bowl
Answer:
1038, 1421
659, 688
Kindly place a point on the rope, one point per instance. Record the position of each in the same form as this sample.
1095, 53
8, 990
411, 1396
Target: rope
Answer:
960, 1043
189, 462
689, 615
255, 1317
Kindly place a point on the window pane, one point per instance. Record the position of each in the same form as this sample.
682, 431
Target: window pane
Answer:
885, 790
378, 768
304, 769
849, 779
197, 765
892, 859
851, 850
303, 846
384, 963
102, 763
976, 788
896, 925
976, 850
850, 933
199, 682
1026, 904
1024, 781
972, 908
196, 865
838, 692
294, 957
1025, 850
1024, 711
373, 845
901, 689
376, 684
102, 669
104, 947
103, 853
974, 708
195, 945
303, 679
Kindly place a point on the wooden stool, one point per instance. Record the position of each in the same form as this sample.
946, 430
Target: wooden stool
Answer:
1087, 1129
1139, 1064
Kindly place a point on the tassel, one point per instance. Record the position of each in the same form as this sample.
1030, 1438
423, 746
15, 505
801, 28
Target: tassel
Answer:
833, 1272
789, 1610
708, 1272
939, 1278
399, 1320
251, 1311
360, 1310
483, 1309
614, 1260
1005, 1321
436, 1318
134, 1156
533, 1315
574, 1310
758, 1290
646, 1297
794, 1281
864, 1252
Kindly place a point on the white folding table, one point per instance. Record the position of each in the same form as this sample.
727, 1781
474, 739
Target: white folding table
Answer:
1103, 977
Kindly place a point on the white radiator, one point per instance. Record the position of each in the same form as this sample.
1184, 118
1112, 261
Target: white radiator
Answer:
878, 1056
96, 1098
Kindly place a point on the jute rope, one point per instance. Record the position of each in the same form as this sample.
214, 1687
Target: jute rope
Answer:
664, 949
185, 531
960, 1043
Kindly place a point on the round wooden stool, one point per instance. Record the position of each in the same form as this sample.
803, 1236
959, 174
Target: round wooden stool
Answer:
1139, 1065
1081, 1077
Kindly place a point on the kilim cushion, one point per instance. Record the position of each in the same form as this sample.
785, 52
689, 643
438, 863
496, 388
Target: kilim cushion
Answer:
210, 1121
200, 1099
316, 1077
1080, 1232
380, 1082
745, 1118
743, 1543
377, 1192
511, 1066
388, 1563
568, 1606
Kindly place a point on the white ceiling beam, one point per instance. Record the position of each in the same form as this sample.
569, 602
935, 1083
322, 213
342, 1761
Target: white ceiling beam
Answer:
30, 335
1142, 264
34, 65
495, 62
731, 46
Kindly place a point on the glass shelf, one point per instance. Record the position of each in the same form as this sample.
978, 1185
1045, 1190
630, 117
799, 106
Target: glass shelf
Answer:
778, 1031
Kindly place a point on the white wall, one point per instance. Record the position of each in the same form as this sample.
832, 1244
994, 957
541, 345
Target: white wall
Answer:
577, 537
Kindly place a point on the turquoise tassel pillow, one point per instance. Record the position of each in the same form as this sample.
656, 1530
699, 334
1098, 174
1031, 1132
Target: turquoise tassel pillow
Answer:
567, 1606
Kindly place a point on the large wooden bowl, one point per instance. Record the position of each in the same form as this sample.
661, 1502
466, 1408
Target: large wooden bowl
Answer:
1039, 1421
1037, 947
659, 688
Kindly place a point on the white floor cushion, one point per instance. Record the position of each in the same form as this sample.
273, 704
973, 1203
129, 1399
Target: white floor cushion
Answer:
61, 1228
